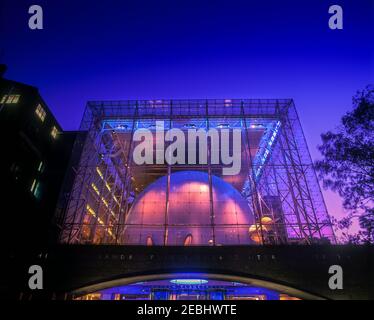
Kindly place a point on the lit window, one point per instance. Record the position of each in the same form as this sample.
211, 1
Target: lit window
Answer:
95, 188
115, 199
228, 103
40, 168
54, 132
10, 99
204, 188
100, 221
188, 240
40, 112
149, 241
37, 191
110, 233
99, 173
35, 188
15, 98
90, 210
108, 186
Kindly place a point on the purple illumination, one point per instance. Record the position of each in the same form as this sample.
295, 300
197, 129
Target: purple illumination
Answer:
167, 205
189, 215
187, 289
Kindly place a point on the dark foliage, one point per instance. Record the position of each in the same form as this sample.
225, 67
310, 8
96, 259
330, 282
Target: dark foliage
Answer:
347, 166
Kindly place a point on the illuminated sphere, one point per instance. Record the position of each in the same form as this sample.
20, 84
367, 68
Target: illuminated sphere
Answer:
188, 219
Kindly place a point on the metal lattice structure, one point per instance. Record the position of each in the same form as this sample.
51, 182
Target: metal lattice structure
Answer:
277, 180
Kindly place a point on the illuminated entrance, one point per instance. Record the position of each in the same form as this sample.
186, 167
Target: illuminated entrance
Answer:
187, 289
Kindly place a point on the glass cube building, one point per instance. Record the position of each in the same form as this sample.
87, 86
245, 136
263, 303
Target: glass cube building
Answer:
274, 198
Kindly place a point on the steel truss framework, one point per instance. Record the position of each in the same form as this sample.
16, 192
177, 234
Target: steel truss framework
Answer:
280, 181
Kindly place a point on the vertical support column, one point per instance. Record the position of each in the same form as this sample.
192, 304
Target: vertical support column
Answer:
256, 205
292, 192
291, 166
69, 214
127, 181
209, 144
99, 204
75, 209
306, 182
166, 229
294, 178
282, 226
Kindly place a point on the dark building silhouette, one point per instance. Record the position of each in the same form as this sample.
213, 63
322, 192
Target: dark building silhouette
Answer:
35, 153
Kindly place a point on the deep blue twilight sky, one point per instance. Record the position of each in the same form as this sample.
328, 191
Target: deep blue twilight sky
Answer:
193, 49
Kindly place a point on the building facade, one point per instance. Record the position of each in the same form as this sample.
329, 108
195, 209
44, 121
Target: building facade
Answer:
273, 199
35, 154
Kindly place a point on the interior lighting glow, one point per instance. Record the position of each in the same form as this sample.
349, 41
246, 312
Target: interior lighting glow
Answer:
189, 281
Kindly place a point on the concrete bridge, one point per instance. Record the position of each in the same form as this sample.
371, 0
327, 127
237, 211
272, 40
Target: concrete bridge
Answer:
300, 271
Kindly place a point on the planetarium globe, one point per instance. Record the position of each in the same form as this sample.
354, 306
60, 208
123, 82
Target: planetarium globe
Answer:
184, 215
